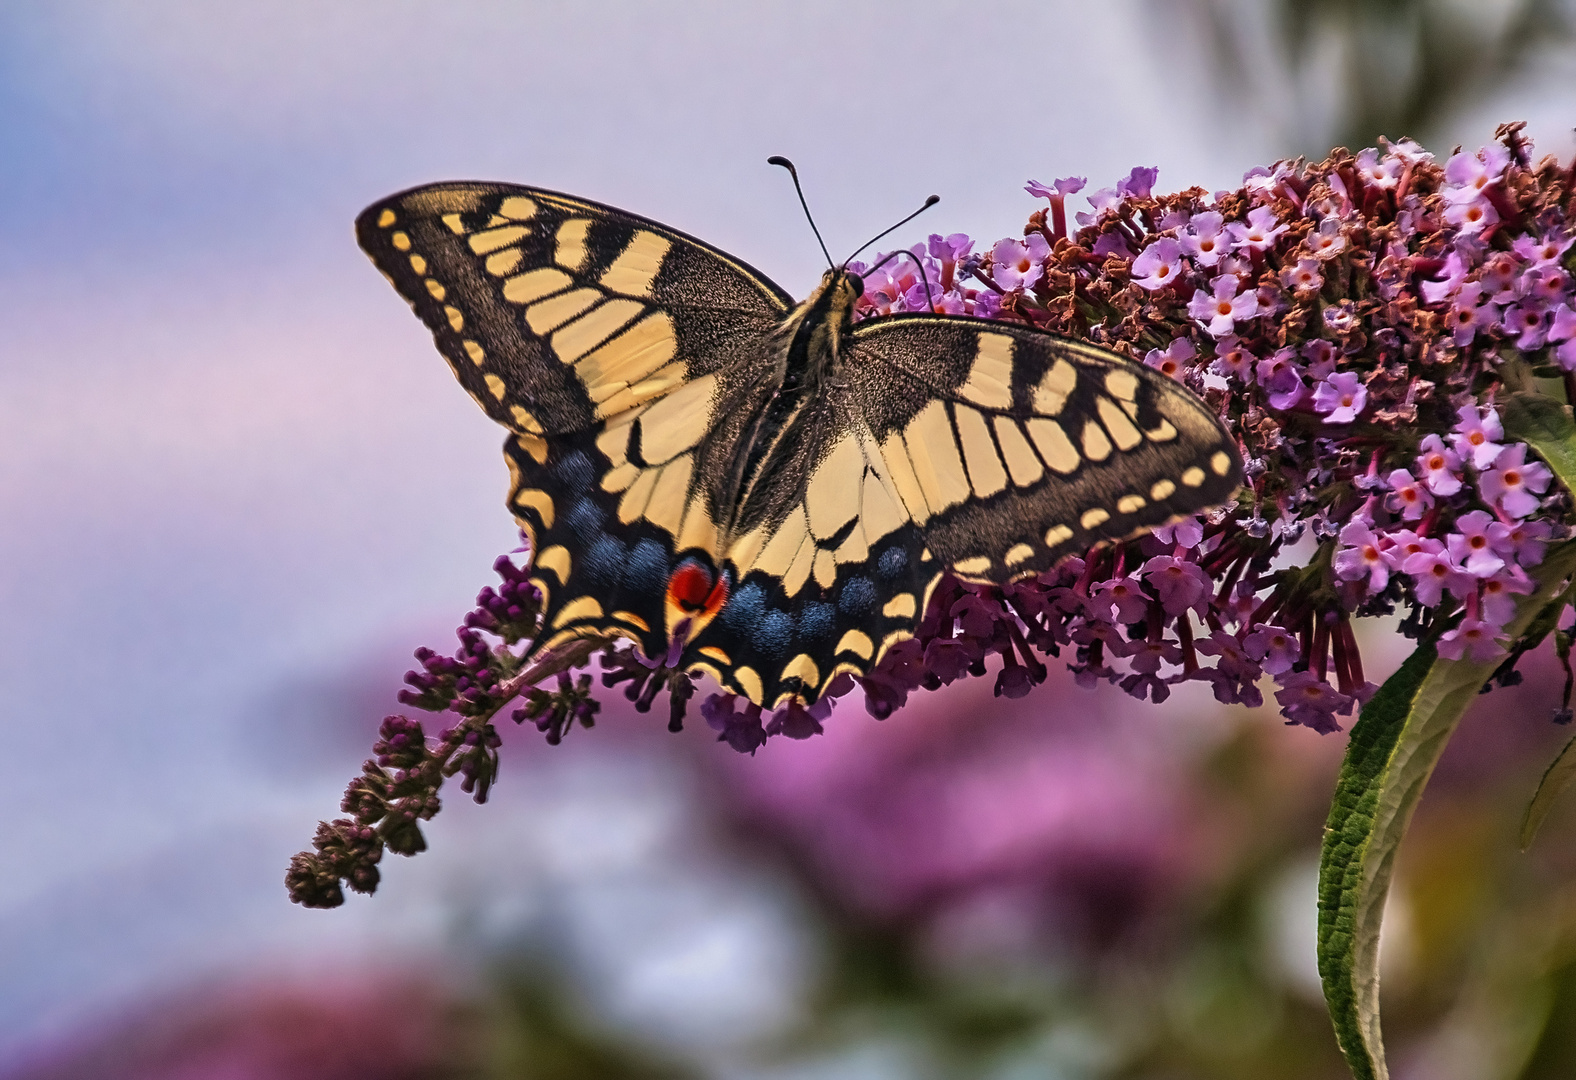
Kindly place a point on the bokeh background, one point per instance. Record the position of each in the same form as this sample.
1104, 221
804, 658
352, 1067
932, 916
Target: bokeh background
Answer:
237, 487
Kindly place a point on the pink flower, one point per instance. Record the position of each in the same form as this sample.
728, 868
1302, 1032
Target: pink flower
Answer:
1471, 216
1479, 545
1304, 277
1473, 640
1500, 592
1374, 172
1139, 183
1309, 700
1438, 464
1341, 396
1473, 173
1525, 324
1123, 596
1513, 484
1404, 543
1282, 378
1526, 540
1172, 360
1451, 277
1180, 584
1274, 647
1017, 265
1361, 557
1327, 242
1184, 532
1476, 435
1159, 265
1543, 252
1260, 231
1231, 359
1433, 572
1468, 313
1409, 497
1220, 310
1204, 239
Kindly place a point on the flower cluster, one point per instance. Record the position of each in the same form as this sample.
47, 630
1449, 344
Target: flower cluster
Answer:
1360, 325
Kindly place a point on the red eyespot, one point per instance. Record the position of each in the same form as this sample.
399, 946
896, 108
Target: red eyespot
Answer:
691, 587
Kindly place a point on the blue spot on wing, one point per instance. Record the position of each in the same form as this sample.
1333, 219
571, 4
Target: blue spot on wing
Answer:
646, 572
585, 520
603, 562
773, 634
575, 472
744, 610
858, 597
816, 621
893, 561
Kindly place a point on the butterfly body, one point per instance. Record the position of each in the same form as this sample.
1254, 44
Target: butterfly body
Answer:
765, 491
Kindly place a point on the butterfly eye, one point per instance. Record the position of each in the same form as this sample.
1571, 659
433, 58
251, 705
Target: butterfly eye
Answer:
856, 283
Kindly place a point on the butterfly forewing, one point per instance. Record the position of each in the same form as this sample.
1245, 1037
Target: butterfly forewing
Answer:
557, 313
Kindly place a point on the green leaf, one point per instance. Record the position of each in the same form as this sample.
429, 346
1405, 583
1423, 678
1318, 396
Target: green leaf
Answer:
1558, 777
1545, 425
1394, 747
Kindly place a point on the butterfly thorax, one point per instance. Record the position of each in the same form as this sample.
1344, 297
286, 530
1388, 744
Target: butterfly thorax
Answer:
812, 338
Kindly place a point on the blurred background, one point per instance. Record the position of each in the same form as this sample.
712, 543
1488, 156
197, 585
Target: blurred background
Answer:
238, 486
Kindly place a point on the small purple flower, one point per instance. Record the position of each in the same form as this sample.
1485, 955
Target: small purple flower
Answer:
1327, 242
1476, 435
1171, 361
1525, 323
1282, 378
1409, 497
1112, 243
1514, 483
1469, 313
1404, 543
1379, 173
1139, 183
1184, 533
1233, 360
1019, 265
1179, 584
1439, 465
1498, 604
1341, 396
1478, 171
1474, 640
1526, 539
1308, 700
1452, 276
1361, 557
1471, 215
1545, 251
1477, 548
1220, 309
1433, 572
1341, 317
1205, 239
1123, 595
1274, 647
1304, 277
1159, 265
1260, 231
1059, 189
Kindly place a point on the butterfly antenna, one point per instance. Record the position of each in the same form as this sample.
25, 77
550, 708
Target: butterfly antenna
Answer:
918, 263
778, 159
932, 201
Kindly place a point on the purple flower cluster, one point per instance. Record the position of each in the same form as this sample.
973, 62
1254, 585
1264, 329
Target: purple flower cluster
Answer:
1353, 322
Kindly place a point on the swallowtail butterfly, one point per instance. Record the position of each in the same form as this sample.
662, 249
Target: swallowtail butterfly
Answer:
762, 490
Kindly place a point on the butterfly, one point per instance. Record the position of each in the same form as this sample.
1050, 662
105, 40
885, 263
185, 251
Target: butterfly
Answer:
764, 490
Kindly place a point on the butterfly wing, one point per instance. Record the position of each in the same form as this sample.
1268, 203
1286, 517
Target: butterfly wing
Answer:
1022, 447
985, 448
625, 357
